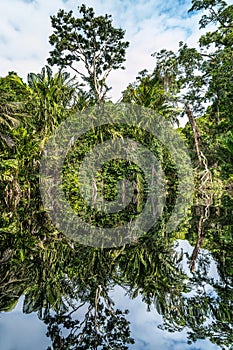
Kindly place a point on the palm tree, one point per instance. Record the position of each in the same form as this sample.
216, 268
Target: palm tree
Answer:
52, 97
8, 119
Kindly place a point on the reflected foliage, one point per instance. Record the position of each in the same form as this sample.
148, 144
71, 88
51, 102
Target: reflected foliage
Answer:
186, 276
69, 285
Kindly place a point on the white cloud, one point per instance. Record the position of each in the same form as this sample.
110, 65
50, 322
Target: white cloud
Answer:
150, 26
144, 327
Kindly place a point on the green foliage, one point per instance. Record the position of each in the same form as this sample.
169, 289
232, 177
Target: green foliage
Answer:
91, 41
51, 98
156, 91
58, 277
200, 78
13, 92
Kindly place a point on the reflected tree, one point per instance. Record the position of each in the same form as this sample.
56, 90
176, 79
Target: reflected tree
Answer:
68, 285
102, 326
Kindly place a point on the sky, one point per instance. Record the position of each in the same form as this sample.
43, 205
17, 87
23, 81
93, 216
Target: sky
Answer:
150, 26
25, 331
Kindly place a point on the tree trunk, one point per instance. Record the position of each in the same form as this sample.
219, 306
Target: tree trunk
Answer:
198, 244
195, 132
205, 214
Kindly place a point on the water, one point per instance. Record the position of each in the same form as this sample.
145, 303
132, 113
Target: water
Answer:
164, 292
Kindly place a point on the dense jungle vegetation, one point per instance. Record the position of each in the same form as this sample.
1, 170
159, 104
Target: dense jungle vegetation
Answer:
52, 271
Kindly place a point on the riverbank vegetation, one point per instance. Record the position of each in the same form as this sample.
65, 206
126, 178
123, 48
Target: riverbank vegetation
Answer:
52, 271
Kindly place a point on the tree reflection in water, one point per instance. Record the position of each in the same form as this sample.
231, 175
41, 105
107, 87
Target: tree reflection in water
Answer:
68, 285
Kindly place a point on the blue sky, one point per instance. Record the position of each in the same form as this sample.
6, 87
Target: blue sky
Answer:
20, 331
25, 331
150, 26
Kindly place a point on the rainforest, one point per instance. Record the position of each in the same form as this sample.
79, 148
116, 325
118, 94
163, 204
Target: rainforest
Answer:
168, 289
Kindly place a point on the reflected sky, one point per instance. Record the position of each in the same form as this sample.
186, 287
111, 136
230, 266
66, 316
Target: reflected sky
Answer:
20, 331
144, 327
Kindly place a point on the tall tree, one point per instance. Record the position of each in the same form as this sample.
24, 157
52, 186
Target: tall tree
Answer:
204, 77
89, 45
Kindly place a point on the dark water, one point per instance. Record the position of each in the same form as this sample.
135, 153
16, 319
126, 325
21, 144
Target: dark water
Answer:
164, 292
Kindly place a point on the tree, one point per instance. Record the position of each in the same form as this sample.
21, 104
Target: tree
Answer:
51, 98
204, 77
11, 104
103, 325
156, 91
89, 45
216, 49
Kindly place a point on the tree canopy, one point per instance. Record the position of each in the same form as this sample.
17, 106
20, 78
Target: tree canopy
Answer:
89, 45
69, 284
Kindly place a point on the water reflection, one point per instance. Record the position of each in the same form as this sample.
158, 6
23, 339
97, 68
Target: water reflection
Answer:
163, 292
